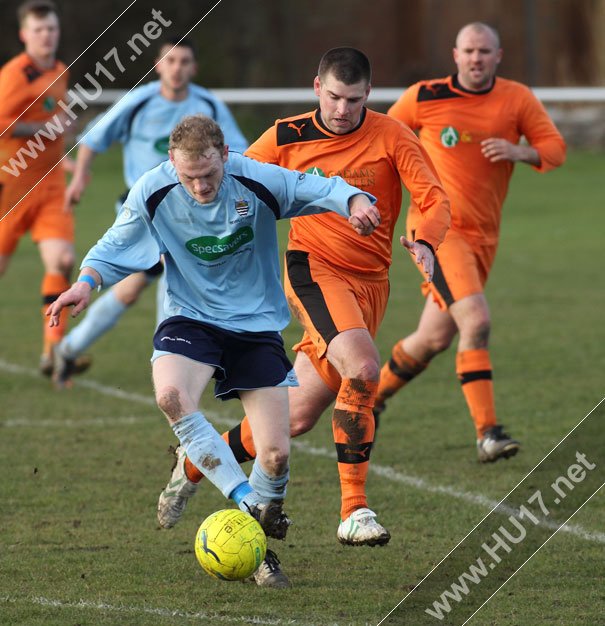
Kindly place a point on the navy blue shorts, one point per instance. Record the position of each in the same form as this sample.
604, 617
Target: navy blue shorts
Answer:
242, 360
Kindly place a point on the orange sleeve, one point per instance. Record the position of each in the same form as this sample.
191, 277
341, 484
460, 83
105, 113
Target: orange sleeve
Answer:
12, 87
265, 147
541, 133
404, 109
420, 178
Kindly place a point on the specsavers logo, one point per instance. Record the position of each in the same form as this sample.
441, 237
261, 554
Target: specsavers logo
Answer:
212, 248
449, 137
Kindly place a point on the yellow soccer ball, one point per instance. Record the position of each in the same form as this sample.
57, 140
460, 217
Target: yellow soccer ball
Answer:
230, 545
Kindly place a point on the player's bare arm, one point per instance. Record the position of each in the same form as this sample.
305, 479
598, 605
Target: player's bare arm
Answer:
365, 216
78, 295
80, 177
495, 149
423, 254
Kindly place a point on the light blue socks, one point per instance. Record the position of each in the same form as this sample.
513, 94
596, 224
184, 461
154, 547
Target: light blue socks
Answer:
211, 455
101, 316
268, 487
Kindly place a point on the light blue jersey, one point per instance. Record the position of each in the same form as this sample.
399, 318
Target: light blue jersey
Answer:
143, 120
222, 260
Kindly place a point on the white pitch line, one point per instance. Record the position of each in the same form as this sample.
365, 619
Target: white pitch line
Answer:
384, 471
161, 612
28, 422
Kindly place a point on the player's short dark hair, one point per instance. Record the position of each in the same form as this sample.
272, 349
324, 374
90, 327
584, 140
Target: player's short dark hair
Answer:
348, 65
39, 8
195, 134
181, 42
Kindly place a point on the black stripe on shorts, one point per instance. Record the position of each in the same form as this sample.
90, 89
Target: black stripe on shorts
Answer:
441, 284
310, 294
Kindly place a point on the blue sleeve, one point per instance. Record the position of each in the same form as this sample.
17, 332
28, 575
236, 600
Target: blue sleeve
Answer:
112, 125
129, 246
303, 194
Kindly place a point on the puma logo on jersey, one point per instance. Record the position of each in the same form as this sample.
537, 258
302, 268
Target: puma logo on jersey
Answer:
298, 129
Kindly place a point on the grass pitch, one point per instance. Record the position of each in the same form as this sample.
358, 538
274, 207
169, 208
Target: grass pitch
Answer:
81, 470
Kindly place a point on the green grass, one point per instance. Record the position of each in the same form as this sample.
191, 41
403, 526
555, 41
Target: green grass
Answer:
81, 470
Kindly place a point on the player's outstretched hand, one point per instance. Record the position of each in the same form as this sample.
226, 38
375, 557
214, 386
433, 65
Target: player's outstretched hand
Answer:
423, 254
78, 294
75, 190
365, 216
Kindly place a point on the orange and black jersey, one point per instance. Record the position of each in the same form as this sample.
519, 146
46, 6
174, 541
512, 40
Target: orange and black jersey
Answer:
30, 94
376, 157
452, 122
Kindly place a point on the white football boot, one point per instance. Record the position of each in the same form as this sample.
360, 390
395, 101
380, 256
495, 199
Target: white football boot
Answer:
179, 489
362, 529
495, 445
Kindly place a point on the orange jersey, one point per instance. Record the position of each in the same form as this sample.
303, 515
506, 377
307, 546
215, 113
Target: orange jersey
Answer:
376, 157
23, 84
452, 123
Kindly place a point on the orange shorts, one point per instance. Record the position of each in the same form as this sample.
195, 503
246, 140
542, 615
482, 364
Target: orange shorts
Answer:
40, 212
328, 301
462, 267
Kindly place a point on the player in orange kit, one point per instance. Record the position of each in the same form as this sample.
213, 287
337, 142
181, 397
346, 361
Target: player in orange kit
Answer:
31, 144
470, 124
337, 284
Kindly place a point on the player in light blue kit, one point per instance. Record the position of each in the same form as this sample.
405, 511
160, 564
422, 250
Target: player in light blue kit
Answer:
212, 214
142, 121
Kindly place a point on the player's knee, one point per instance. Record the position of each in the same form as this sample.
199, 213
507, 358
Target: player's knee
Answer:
437, 343
67, 261
275, 460
477, 333
169, 400
364, 369
129, 291
128, 298
301, 422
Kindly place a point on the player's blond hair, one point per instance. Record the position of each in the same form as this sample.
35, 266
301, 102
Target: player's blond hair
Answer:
39, 8
195, 134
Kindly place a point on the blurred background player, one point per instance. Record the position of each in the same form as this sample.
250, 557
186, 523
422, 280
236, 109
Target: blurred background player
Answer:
142, 121
336, 282
31, 86
470, 124
225, 308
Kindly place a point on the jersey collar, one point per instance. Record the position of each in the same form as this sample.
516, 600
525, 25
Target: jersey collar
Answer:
456, 84
320, 123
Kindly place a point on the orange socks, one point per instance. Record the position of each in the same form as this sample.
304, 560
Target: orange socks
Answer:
53, 285
353, 428
474, 371
241, 443
396, 373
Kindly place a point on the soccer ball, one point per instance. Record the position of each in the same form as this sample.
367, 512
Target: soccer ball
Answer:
230, 545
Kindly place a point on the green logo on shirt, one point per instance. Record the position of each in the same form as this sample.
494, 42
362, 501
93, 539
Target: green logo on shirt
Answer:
49, 103
212, 248
317, 171
449, 137
161, 145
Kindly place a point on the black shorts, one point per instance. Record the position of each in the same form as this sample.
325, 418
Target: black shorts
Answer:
243, 361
